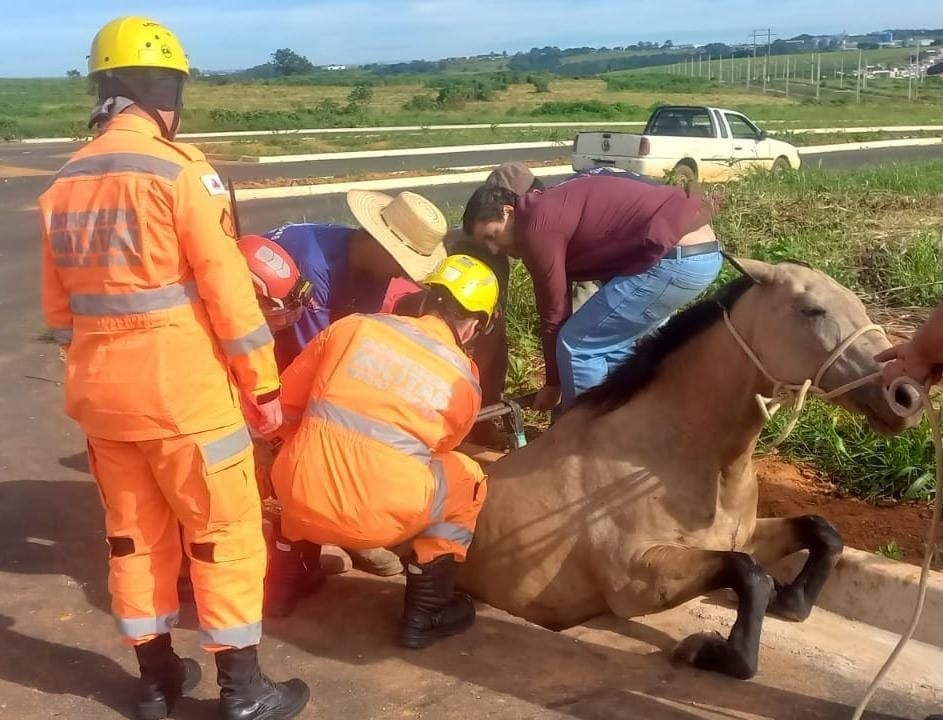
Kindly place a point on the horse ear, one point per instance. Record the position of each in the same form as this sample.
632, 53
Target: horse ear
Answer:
758, 271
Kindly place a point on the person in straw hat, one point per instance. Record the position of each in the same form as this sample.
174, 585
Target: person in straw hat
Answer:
308, 275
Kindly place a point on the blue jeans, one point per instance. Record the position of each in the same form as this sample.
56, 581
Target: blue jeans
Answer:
602, 334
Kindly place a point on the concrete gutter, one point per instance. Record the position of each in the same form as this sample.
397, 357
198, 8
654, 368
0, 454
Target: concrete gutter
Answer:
879, 592
863, 587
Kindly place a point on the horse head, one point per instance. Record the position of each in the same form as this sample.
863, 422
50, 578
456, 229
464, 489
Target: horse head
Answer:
801, 325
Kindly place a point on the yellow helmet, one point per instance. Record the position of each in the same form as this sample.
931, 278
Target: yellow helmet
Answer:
137, 42
469, 281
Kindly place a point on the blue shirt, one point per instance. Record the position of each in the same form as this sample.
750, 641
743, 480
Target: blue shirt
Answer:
320, 252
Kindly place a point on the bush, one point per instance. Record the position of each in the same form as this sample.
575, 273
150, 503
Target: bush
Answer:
361, 95
420, 103
659, 82
9, 130
590, 108
541, 83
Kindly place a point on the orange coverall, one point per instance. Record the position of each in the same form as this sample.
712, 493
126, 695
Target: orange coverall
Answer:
143, 284
382, 401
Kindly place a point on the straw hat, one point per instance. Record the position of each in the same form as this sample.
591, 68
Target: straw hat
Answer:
409, 227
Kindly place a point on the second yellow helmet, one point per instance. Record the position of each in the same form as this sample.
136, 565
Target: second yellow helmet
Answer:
470, 281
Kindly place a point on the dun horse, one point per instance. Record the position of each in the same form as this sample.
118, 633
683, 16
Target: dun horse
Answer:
643, 495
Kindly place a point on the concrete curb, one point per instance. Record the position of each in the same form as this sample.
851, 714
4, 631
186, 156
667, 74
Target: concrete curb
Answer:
401, 152
875, 145
421, 181
879, 592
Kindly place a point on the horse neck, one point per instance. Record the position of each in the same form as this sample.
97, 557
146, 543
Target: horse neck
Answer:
706, 391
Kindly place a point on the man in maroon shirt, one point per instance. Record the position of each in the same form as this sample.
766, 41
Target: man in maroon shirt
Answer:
652, 246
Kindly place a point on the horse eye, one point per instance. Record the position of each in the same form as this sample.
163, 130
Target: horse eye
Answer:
813, 311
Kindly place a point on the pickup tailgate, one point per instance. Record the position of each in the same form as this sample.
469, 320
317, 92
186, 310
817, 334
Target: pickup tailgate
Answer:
604, 149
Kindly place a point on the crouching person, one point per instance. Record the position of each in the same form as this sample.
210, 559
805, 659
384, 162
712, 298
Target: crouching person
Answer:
375, 407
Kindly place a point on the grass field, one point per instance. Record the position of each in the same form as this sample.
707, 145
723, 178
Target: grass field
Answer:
52, 107
878, 231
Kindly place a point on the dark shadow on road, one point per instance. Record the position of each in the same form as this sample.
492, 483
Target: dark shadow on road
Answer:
77, 462
582, 679
56, 669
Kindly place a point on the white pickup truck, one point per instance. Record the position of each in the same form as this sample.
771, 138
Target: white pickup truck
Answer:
689, 143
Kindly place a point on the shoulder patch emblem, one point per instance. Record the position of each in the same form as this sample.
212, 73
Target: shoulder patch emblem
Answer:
213, 185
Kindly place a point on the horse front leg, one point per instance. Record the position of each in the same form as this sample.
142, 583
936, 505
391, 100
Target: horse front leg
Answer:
776, 538
668, 576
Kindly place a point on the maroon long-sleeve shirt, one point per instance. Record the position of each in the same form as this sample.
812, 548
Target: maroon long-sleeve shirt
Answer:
595, 228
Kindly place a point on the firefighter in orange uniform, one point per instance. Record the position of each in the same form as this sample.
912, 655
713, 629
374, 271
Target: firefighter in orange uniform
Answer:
144, 288
375, 407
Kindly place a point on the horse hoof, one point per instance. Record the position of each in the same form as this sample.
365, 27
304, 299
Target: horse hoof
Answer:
688, 650
789, 604
710, 651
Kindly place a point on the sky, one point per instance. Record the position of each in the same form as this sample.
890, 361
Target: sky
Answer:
49, 37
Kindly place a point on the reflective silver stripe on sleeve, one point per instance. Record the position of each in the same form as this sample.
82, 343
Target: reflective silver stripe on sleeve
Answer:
97, 165
260, 337
138, 301
381, 432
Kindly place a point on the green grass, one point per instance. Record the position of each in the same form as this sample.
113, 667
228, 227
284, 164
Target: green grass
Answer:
843, 447
55, 107
878, 231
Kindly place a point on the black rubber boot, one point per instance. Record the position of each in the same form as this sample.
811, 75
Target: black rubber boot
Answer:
294, 572
432, 609
164, 678
247, 694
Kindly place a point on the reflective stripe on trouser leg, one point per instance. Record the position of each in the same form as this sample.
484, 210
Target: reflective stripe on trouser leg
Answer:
452, 531
209, 479
143, 540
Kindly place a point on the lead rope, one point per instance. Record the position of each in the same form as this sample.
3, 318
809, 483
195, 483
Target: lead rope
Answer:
795, 395
933, 415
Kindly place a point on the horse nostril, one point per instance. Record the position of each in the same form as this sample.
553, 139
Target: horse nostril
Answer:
906, 397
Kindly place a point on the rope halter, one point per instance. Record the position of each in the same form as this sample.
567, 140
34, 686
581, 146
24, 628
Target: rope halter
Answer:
794, 395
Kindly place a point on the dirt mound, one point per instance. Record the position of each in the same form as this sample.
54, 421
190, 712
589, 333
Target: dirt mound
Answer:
787, 490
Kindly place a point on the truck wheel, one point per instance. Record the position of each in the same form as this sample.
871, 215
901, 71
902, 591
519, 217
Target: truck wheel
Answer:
781, 164
683, 175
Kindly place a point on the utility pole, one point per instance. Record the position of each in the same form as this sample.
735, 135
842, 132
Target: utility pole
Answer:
709, 77
818, 80
787, 76
700, 65
841, 82
858, 87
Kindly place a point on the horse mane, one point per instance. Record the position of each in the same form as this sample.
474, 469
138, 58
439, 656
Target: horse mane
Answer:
635, 374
